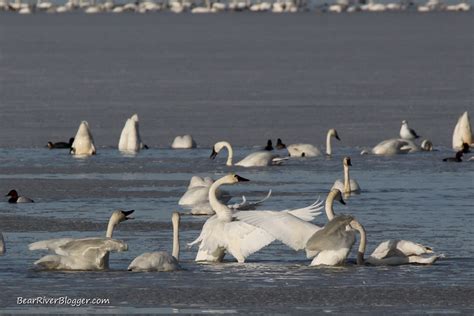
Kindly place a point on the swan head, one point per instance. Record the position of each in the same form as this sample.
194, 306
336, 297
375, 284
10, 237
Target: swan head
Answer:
404, 122
347, 161
332, 132
217, 148
120, 216
269, 145
338, 196
427, 145
233, 178
12, 194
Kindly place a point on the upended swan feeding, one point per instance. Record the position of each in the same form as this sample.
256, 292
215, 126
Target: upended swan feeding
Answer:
84, 253
225, 232
83, 144
130, 139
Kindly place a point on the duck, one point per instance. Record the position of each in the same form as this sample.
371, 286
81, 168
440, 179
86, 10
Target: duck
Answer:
406, 132
456, 158
269, 145
183, 142
309, 150
15, 198
61, 145
280, 144
83, 144
83, 254
257, 159
160, 261
349, 185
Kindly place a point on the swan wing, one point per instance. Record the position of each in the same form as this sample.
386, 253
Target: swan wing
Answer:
154, 261
308, 213
257, 159
122, 146
91, 247
284, 226
244, 239
247, 205
52, 245
332, 236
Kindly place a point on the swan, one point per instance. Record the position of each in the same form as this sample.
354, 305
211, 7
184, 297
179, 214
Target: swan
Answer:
406, 132
130, 140
289, 229
457, 158
83, 142
61, 145
15, 198
84, 253
392, 147
198, 192
398, 252
462, 132
183, 142
3, 249
349, 185
160, 260
308, 150
256, 159
224, 232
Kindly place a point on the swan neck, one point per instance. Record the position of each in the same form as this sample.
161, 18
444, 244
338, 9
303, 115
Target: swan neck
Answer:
175, 253
329, 204
362, 245
222, 211
347, 180
110, 228
328, 144
230, 154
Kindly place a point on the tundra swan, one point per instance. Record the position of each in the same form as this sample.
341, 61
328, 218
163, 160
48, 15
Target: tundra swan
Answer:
224, 232
349, 185
256, 159
183, 142
457, 158
3, 249
160, 260
392, 147
198, 192
308, 150
15, 198
130, 140
462, 132
289, 229
83, 253
280, 144
83, 142
406, 132
61, 145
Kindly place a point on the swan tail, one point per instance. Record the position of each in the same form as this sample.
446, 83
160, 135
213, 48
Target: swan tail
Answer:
50, 244
49, 262
279, 160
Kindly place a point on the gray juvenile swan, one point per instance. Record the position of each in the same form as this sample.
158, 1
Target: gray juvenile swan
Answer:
84, 253
160, 260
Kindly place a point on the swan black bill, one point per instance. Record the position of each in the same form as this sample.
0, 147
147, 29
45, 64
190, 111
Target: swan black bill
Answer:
213, 154
127, 213
349, 163
337, 137
241, 179
342, 201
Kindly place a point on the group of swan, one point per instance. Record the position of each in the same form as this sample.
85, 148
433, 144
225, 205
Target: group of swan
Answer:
196, 197
309, 150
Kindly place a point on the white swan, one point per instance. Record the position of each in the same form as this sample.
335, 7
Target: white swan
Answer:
256, 159
130, 140
295, 232
83, 144
406, 132
198, 192
308, 150
462, 132
84, 253
392, 147
222, 232
398, 252
3, 249
15, 198
349, 185
183, 142
161, 260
